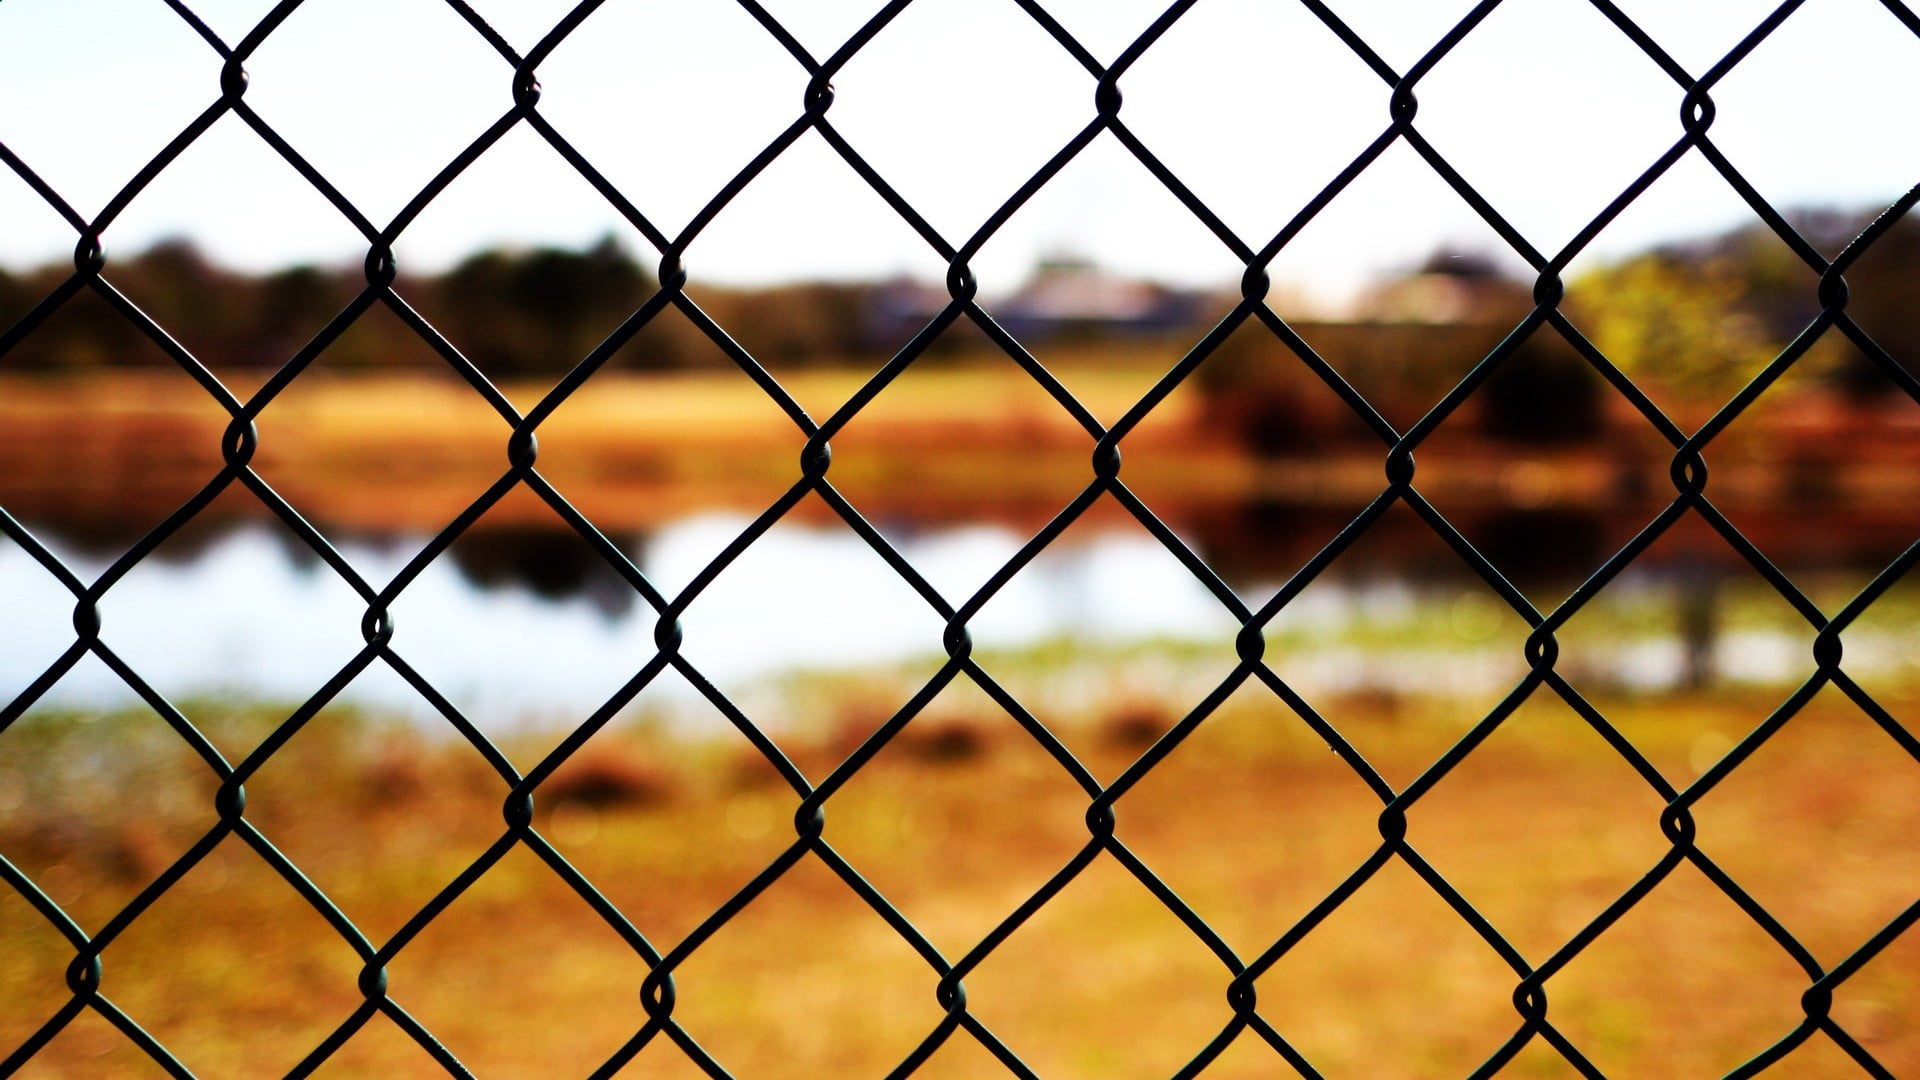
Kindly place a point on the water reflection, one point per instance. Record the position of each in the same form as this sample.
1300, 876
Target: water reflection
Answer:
531, 624
548, 562
521, 625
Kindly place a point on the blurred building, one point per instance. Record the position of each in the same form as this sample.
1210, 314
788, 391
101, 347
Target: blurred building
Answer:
1066, 297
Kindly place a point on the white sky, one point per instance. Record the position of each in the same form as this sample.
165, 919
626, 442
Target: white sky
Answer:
1545, 107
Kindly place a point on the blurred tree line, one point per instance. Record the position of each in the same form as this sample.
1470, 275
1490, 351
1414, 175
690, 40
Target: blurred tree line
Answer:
514, 313
1690, 322
1693, 320
1707, 315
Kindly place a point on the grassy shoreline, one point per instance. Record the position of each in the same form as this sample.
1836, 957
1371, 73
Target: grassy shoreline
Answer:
408, 451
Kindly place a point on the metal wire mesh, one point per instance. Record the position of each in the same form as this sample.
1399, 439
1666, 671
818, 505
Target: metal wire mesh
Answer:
1240, 1013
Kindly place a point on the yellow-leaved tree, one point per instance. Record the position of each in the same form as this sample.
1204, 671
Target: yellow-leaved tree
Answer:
1683, 328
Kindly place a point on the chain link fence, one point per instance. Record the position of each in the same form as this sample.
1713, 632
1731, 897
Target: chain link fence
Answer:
90, 981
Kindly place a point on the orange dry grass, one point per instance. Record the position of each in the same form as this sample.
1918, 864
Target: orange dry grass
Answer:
411, 450
1252, 821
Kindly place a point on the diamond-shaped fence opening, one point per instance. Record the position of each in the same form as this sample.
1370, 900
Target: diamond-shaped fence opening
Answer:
957, 157
1508, 658
732, 88
1234, 64
342, 84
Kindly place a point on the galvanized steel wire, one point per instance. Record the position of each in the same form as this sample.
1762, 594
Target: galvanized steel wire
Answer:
90, 981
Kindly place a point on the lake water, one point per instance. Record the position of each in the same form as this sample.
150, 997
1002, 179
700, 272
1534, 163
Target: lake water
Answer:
536, 633
250, 615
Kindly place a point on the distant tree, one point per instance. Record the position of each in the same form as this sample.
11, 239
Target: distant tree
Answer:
81, 334
204, 307
810, 324
291, 306
540, 311
1681, 324
16, 297
1780, 291
1884, 297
